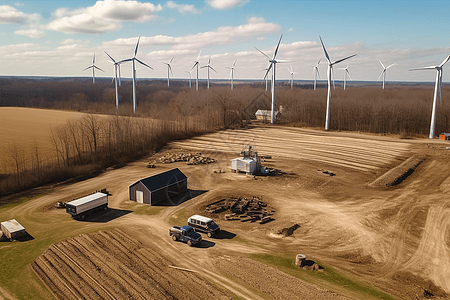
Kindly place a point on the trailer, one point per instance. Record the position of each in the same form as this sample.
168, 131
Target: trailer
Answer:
82, 207
12, 229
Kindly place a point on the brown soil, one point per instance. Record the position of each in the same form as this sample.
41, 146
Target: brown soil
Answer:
113, 265
396, 175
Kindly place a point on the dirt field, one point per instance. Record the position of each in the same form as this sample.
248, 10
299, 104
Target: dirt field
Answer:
23, 127
393, 239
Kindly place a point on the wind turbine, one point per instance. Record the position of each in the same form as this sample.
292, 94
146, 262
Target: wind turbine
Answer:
93, 67
189, 77
116, 64
330, 70
134, 60
266, 77
316, 72
437, 89
232, 72
346, 72
196, 65
169, 70
383, 73
292, 77
209, 67
273, 63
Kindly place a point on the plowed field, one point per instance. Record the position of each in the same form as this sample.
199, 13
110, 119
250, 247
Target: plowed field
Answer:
112, 265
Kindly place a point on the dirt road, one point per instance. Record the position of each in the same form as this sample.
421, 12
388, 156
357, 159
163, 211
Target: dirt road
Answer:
394, 239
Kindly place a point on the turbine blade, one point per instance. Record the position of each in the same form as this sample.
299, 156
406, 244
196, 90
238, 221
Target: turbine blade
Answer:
125, 60
86, 68
171, 59
98, 68
110, 57
198, 56
318, 73
381, 64
212, 69
444, 61
170, 68
234, 63
348, 73
424, 68
196, 63
390, 66
440, 85
262, 53
209, 60
268, 70
143, 63
325, 50
276, 49
137, 45
93, 60
340, 60
381, 75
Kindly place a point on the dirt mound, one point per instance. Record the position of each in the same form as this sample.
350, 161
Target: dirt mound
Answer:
112, 265
288, 231
189, 158
396, 175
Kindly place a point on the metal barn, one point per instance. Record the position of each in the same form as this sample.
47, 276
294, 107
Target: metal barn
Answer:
159, 187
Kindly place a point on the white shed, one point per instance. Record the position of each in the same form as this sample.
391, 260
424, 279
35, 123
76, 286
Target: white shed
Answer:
12, 229
244, 164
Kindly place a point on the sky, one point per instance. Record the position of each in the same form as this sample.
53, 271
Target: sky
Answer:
60, 38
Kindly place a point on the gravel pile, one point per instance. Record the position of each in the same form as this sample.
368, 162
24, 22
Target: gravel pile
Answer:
189, 158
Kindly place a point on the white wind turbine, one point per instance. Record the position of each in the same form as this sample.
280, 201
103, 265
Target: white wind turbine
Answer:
273, 63
437, 89
232, 73
291, 71
189, 72
196, 65
383, 73
330, 70
133, 70
316, 73
93, 67
266, 78
346, 72
116, 65
169, 70
208, 66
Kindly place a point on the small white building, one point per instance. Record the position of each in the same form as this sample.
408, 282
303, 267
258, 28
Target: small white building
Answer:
265, 115
12, 229
244, 164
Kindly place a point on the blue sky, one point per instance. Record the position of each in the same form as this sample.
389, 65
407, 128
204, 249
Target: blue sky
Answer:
59, 38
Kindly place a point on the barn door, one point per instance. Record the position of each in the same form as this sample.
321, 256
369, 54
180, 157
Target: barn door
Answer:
140, 196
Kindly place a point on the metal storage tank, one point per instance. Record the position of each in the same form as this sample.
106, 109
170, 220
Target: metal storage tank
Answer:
159, 187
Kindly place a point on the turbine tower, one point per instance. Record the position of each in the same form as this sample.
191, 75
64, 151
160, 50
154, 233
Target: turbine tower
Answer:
189, 72
330, 70
93, 67
273, 63
383, 73
292, 77
134, 59
316, 73
208, 66
196, 65
116, 64
232, 72
346, 72
265, 77
437, 89
169, 70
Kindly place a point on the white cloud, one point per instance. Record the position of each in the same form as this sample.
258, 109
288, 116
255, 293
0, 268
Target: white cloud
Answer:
11, 15
182, 8
225, 4
103, 16
32, 33
221, 36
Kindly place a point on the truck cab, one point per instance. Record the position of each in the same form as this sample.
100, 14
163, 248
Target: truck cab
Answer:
204, 224
185, 234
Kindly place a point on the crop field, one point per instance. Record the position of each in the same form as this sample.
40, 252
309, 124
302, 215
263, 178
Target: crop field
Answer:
27, 128
370, 242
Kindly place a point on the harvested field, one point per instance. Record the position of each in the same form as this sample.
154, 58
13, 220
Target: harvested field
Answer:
347, 151
111, 265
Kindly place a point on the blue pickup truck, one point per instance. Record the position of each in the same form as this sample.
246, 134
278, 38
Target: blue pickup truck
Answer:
185, 234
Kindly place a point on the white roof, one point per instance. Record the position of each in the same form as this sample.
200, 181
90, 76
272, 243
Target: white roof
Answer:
263, 112
86, 199
201, 218
12, 225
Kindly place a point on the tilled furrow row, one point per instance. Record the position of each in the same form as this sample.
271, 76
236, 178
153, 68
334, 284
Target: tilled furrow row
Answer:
138, 288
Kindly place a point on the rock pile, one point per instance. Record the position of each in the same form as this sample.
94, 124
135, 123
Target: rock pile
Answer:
189, 158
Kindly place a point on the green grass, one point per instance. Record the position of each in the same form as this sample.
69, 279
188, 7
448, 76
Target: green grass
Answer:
147, 210
328, 278
179, 218
15, 202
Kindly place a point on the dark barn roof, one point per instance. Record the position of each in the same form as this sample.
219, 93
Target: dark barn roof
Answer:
161, 180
